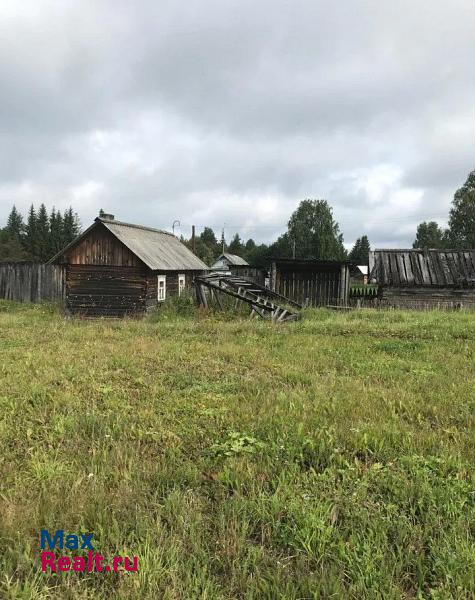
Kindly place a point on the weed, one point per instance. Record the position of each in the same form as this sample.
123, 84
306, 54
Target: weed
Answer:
329, 458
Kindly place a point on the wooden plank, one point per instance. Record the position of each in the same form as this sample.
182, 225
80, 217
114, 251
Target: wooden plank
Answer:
423, 267
463, 267
431, 268
388, 279
445, 267
416, 270
408, 268
457, 274
393, 269
401, 269
435, 260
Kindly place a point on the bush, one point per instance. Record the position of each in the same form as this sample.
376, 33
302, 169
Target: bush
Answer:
175, 306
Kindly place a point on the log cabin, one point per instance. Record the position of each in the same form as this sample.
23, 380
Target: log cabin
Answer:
115, 269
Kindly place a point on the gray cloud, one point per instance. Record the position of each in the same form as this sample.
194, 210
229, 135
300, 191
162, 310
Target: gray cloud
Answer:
234, 111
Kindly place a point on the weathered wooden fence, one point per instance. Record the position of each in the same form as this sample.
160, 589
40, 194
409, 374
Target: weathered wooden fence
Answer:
317, 283
32, 282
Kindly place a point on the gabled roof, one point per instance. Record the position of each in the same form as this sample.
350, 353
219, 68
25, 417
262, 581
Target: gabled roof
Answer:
455, 268
158, 249
233, 259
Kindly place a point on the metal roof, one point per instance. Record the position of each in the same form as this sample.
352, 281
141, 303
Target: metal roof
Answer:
159, 250
455, 268
233, 259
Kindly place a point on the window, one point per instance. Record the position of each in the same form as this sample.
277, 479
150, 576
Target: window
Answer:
181, 284
162, 288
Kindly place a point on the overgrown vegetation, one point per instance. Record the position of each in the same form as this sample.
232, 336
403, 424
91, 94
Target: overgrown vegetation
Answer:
329, 458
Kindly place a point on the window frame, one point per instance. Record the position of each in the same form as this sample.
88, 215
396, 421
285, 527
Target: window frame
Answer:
161, 278
181, 276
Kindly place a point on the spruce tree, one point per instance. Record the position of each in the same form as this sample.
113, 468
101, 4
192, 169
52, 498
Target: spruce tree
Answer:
15, 226
71, 227
355, 252
42, 235
236, 247
56, 232
360, 252
30, 241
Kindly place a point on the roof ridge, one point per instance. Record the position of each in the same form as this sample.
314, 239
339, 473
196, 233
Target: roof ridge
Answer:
421, 250
133, 225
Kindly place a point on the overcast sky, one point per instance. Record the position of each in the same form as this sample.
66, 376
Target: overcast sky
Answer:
234, 111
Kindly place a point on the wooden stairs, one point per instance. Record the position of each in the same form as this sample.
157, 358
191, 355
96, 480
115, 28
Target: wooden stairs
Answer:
263, 302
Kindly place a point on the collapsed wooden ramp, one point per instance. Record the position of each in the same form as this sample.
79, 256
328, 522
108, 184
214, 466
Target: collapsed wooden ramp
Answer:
263, 302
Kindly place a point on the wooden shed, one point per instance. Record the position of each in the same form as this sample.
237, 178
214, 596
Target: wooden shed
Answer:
312, 282
225, 261
116, 268
424, 278
231, 263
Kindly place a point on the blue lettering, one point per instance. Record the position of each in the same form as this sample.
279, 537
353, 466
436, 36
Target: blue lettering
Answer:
57, 539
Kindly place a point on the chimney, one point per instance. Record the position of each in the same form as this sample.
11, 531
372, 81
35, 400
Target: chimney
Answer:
108, 216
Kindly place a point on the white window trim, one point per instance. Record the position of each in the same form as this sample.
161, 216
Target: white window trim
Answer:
180, 288
159, 279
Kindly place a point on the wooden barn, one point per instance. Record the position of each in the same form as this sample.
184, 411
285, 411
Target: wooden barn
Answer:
311, 282
118, 269
424, 278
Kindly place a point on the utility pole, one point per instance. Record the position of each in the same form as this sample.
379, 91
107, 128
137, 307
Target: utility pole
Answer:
222, 238
193, 239
293, 248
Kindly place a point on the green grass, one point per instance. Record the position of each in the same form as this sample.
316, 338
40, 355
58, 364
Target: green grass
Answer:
328, 458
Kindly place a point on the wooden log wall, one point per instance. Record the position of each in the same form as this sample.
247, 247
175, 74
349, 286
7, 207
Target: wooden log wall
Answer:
32, 282
427, 298
171, 284
106, 290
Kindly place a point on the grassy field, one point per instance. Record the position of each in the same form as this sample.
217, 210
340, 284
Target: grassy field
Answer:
328, 458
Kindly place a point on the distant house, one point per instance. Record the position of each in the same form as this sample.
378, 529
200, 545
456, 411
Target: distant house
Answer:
116, 268
238, 266
311, 282
424, 278
226, 260
359, 274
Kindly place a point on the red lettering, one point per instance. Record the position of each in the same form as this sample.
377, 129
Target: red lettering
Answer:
98, 559
47, 560
79, 564
134, 567
64, 563
116, 562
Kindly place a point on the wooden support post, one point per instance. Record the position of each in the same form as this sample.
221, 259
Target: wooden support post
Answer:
273, 277
218, 299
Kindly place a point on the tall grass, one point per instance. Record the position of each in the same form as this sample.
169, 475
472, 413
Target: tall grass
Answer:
327, 458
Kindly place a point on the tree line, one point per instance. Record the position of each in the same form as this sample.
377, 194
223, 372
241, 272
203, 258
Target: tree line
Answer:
312, 233
40, 236
460, 233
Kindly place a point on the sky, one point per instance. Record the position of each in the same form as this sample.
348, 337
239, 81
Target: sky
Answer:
215, 112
